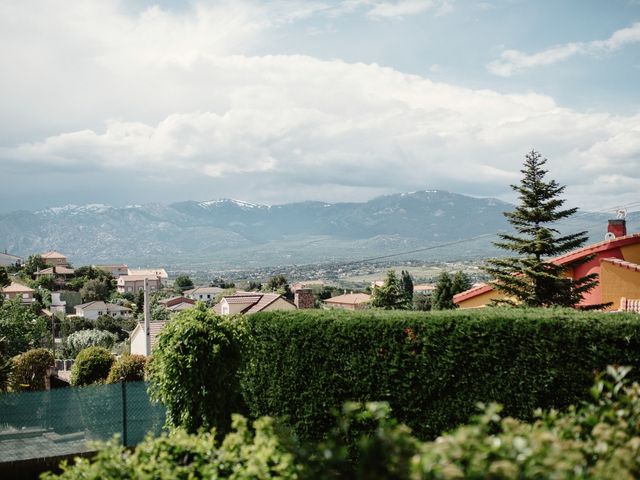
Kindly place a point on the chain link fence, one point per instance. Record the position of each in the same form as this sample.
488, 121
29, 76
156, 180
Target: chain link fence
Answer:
65, 421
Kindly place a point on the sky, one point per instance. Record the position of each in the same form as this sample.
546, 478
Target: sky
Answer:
136, 101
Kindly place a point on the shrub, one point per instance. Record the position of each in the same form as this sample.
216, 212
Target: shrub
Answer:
69, 325
433, 368
82, 339
30, 369
128, 368
596, 440
193, 372
118, 326
92, 365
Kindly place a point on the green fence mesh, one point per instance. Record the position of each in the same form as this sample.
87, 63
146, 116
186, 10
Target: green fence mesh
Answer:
64, 421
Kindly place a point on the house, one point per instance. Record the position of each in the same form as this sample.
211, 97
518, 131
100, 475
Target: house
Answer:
17, 290
150, 273
92, 310
306, 284
138, 337
205, 294
252, 302
616, 261
60, 273
424, 289
135, 283
350, 301
54, 259
8, 260
115, 270
177, 304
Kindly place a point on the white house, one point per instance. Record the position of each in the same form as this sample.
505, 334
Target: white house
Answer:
138, 337
8, 260
205, 294
92, 310
135, 283
159, 273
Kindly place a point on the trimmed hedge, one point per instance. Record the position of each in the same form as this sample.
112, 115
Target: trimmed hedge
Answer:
432, 368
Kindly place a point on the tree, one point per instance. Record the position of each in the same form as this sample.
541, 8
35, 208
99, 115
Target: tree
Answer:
33, 264
443, 294
391, 295
83, 339
460, 283
278, 284
4, 277
407, 286
183, 282
21, 327
529, 278
96, 289
128, 368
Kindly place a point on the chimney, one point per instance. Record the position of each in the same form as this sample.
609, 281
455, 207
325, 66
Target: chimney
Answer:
303, 298
617, 227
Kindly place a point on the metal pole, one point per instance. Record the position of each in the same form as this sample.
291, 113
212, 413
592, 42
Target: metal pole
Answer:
147, 333
124, 412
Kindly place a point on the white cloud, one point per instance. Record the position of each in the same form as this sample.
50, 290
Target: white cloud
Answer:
181, 101
404, 8
513, 61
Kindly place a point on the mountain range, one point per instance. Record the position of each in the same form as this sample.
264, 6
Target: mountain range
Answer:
232, 234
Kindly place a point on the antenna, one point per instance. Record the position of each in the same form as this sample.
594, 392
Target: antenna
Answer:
621, 213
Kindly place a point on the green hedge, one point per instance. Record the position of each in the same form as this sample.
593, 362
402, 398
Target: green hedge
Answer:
433, 368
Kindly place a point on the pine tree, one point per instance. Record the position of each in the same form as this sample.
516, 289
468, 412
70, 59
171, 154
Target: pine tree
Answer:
443, 294
460, 283
529, 278
407, 286
391, 295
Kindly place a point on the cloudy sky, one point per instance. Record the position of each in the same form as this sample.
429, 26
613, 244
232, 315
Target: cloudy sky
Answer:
135, 101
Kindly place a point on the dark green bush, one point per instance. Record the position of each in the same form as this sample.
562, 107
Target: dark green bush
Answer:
432, 368
92, 365
128, 368
29, 369
193, 371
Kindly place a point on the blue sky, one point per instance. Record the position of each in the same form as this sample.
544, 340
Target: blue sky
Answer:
121, 102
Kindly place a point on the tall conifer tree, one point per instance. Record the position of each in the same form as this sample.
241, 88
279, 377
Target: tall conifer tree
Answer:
529, 278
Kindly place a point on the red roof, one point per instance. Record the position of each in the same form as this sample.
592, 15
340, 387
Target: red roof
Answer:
567, 259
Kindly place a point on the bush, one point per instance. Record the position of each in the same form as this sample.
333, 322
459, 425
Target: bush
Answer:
193, 372
92, 365
597, 440
82, 339
70, 325
30, 369
432, 368
118, 326
128, 368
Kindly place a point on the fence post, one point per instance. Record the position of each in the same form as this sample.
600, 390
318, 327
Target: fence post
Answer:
124, 413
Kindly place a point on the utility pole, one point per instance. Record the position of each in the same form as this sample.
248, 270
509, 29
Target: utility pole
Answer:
147, 333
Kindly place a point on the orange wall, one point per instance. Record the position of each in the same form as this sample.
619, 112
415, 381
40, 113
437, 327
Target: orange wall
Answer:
482, 300
618, 282
631, 253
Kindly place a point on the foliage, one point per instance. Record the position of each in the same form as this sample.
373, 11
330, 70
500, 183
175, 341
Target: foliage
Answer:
254, 286
183, 282
460, 283
83, 339
21, 327
69, 325
443, 294
92, 365
47, 282
193, 372
33, 264
278, 284
128, 368
422, 302
432, 368
97, 289
596, 440
30, 369
392, 295
529, 278
407, 287
118, 326
4, 277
